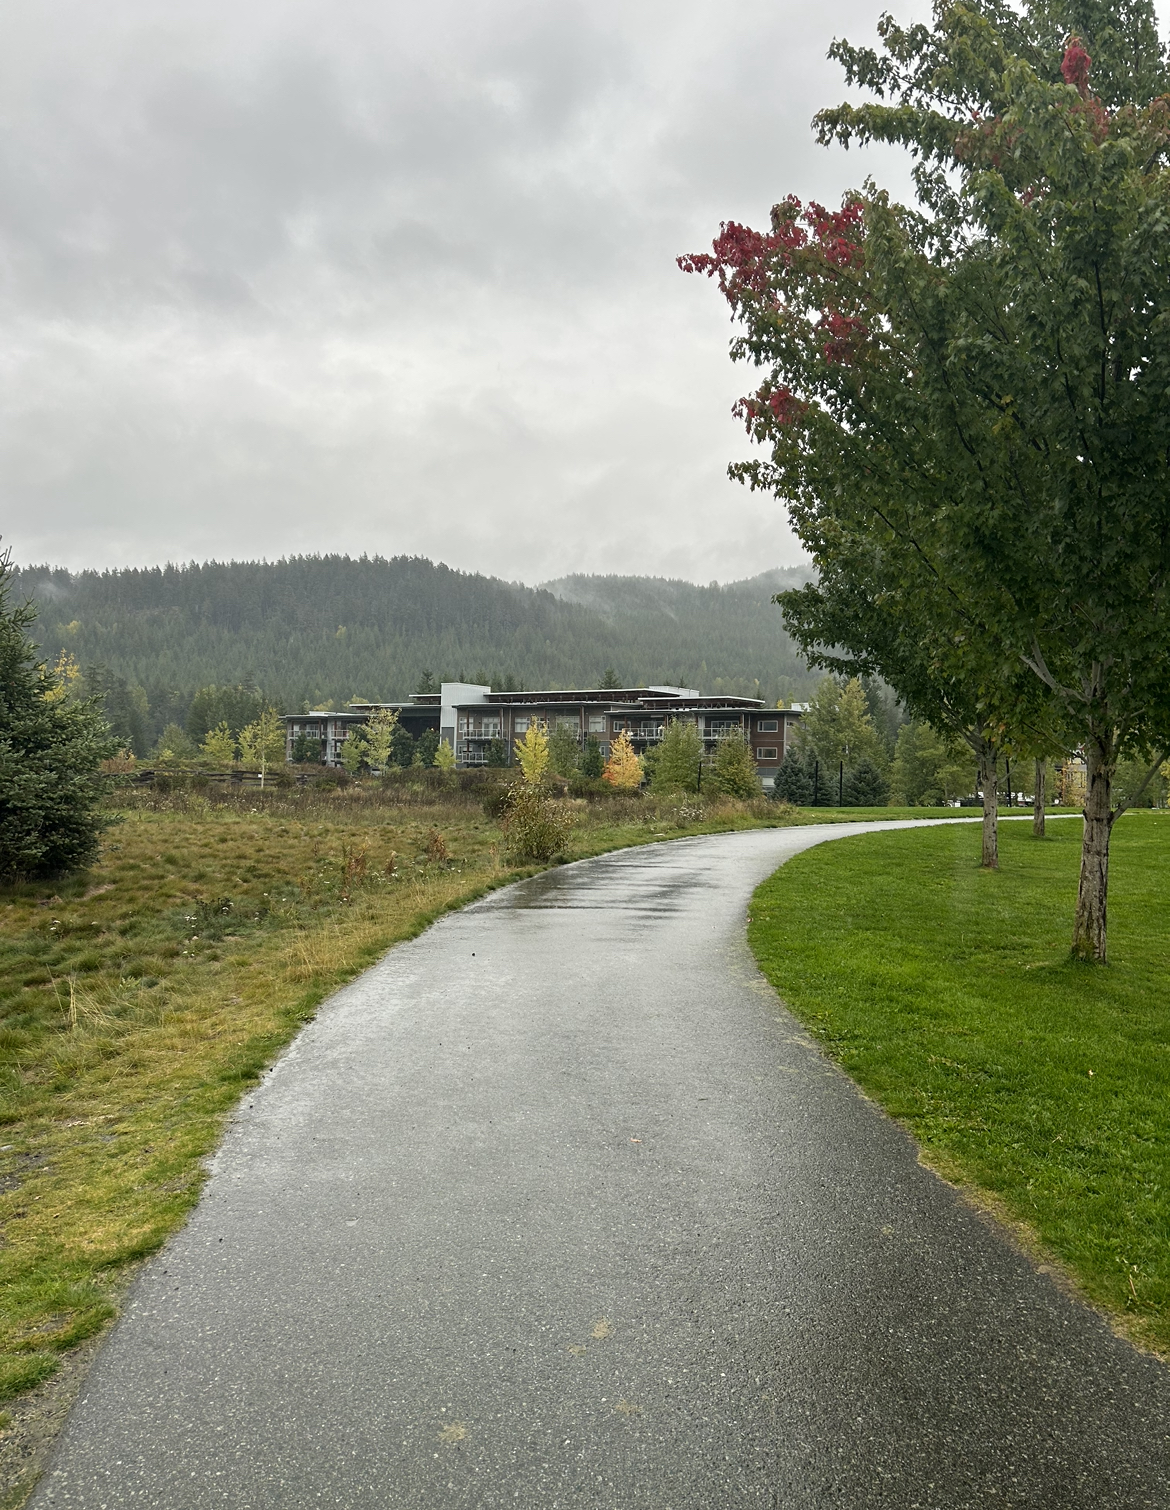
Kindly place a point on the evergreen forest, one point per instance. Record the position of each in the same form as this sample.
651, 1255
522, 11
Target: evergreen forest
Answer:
320, 631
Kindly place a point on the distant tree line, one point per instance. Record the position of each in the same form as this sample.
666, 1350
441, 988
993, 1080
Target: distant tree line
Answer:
174, 651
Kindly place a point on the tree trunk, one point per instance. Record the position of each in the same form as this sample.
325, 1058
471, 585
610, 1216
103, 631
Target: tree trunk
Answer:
987, 777
1089, 931
1038, 799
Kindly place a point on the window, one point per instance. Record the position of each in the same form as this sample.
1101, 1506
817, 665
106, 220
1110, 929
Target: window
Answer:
521, 725
766, 752
618, 726
767, 726
572, 724
597, 723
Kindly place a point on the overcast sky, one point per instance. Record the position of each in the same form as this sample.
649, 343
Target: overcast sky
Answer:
285, 276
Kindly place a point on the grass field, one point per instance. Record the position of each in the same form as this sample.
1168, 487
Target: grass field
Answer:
948, 994
140, 999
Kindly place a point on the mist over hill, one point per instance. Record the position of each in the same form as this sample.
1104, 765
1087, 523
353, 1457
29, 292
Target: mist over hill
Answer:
322, 630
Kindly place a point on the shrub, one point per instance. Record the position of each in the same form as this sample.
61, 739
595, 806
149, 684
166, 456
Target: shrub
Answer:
535, 826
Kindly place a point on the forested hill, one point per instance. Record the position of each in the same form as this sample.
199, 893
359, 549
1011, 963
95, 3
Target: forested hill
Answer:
324, 630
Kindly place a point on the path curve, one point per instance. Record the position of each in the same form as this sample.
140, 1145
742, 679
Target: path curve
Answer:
556, 1206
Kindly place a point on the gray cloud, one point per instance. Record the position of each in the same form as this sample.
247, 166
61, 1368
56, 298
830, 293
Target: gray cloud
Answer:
288, 277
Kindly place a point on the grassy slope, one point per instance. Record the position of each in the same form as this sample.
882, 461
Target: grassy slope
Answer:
948, 994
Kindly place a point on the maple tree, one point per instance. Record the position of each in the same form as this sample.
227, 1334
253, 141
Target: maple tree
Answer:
964, 401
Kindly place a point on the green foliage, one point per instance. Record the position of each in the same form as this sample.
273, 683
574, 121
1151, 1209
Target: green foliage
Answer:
444, 756
426, 746
174, 743
219, 748
536, 826
306, 750
926, 771
50, 754
591, 763
610, 679
733, 771
676, 760
211, 706
838, 727
793, 783
380, 732
402, 747
865, 786
262, 742
497, 755
228, 628
355, 752
564, 750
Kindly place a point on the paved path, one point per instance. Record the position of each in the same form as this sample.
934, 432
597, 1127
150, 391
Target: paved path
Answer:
557, 1207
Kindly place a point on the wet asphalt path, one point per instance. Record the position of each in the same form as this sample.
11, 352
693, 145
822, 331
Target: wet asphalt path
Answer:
555, 1206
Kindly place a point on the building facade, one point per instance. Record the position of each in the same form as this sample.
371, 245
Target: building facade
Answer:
470, 718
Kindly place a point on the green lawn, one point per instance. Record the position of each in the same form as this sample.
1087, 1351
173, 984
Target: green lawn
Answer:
948, 994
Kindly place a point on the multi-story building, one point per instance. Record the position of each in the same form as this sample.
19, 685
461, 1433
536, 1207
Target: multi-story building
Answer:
470, 718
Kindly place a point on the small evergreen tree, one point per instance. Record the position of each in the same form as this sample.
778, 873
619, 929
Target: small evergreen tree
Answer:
610, 681
733, 772
793, 783
497, 754
425, 747
865, 786
51, 749
175, 744
591, 764
402, 748
444, 757
676, 765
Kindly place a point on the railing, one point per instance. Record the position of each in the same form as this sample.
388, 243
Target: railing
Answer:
724, 732
644, 734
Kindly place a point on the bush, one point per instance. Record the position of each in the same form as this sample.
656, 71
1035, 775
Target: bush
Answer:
535, 826
495, 802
